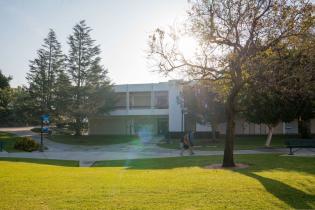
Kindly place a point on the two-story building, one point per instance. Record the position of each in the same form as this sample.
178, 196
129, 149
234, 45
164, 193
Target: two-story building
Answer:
150, 108
154, 109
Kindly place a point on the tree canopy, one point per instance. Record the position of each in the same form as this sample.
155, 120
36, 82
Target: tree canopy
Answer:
229, 33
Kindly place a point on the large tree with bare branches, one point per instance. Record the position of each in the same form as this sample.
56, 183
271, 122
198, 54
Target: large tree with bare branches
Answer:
229, 33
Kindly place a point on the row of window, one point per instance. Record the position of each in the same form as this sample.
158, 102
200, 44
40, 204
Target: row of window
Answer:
142, 100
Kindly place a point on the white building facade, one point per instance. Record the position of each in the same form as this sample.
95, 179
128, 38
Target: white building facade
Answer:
149, 108
155, 109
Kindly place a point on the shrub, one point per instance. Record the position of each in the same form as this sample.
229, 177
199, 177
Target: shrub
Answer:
26, 144
36, 130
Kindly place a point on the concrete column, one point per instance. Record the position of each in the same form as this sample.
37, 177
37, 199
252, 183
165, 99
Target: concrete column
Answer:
175, 110
152, 98
127, 100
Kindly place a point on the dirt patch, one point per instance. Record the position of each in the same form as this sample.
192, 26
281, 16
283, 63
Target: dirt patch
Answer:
219, 166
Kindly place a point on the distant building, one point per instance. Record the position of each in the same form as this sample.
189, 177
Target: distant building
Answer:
154, 109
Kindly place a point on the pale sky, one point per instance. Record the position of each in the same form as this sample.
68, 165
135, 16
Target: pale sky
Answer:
120, 27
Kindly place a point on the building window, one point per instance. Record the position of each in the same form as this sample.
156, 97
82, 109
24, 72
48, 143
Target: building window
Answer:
121, 101
161, 100
140, 100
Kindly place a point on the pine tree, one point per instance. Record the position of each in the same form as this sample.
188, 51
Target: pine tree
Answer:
92, 93
5, 99
43, 72
62, 97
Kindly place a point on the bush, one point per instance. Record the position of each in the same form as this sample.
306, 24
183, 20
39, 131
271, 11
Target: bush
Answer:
36, 130
26, 144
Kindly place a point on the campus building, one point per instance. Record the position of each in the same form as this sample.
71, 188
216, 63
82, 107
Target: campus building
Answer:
154, 109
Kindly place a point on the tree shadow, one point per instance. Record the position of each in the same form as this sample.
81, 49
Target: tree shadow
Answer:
293, 197
257, 162
160, 163
65, 163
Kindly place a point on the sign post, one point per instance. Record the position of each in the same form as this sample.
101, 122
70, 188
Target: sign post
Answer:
44, 129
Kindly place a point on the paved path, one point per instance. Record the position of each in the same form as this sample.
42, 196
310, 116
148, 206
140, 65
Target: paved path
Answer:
87, 155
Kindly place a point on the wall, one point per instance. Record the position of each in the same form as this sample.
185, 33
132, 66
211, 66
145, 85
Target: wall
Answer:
127, 125
116, 126
245, 128
175, 111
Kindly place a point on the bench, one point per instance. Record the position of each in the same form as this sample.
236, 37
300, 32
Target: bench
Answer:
299, 143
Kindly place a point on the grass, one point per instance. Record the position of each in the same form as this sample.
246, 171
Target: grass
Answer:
92, 139
9, 141
241, 143
70, 163
271, 182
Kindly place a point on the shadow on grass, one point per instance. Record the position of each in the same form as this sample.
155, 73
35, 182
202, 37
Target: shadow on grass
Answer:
293, 197
66, 163
258, 162
159, 163
93, 140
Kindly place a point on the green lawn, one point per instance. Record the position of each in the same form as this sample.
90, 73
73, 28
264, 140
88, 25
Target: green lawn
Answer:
92, 139
271, 182
9, 140
241, 142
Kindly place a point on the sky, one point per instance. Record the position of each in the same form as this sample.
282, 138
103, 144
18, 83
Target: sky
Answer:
121, 28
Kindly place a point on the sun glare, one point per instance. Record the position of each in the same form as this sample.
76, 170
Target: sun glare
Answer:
188, 46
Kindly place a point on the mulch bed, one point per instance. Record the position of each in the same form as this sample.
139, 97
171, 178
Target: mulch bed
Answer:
219, 166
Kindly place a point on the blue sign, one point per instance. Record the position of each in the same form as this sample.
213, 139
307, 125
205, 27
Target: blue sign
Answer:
45, 118
45, 129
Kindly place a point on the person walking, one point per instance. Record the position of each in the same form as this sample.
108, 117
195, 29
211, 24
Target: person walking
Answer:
185, 144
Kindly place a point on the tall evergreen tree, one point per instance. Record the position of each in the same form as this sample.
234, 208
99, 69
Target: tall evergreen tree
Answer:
92, 91
5, 98
62, 97
44, 71
4, 80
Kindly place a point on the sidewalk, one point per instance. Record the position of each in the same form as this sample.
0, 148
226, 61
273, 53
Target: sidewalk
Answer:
89, 154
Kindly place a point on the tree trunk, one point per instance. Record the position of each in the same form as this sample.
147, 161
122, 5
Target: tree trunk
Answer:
213, 131
269, 137
304, 127
228, 159
78, 126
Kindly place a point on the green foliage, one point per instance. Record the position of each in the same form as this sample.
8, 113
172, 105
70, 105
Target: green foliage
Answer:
229, 33
62, 101
24, 109
44, 71
203, 105
26, 144
36, 130
5, 98
4, 80
281, 84
92, 90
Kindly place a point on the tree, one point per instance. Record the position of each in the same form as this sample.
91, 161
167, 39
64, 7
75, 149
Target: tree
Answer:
4, 80
92, 91
300, 62
44, 71
5, 98
230, 32
203, 105
24, 109
62, 97
281, 86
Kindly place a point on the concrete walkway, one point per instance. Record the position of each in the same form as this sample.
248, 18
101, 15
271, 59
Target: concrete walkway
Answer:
87, 155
